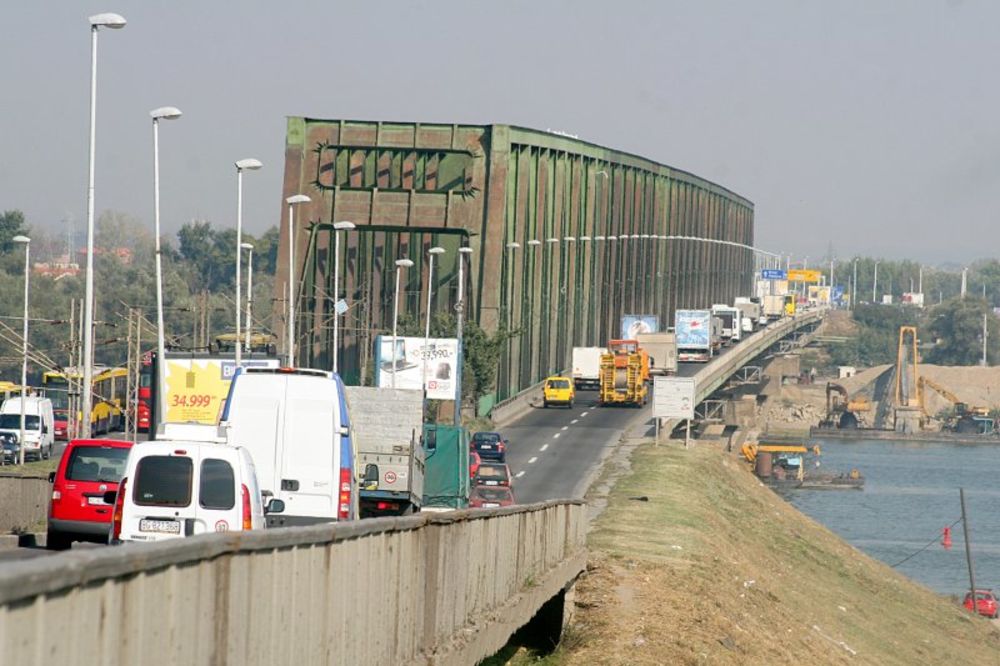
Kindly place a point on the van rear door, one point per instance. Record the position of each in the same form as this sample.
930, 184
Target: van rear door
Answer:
162, 490
310, 459
219, 502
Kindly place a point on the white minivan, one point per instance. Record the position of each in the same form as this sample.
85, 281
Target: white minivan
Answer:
295, 424
39, 424
181, 487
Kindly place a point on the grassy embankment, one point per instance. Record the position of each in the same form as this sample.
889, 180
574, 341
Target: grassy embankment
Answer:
715, 568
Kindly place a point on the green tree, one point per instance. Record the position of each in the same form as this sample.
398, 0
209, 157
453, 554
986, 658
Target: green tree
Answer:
11, 224
957, 328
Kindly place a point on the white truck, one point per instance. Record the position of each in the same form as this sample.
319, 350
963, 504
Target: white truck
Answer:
388, 429
587, 367
696, 336
774, 307
662, 351
732, 324
753, 314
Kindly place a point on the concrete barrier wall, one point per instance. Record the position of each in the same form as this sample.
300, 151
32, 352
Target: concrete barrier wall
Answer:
443, 589
24, 502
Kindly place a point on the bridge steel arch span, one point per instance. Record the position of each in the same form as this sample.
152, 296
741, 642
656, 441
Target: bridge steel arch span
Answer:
411, 186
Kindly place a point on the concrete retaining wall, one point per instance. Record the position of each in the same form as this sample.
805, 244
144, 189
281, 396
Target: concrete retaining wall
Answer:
24, 502
430, 589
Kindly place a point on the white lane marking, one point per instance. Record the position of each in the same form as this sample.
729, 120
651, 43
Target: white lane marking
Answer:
532, 460
555, 436
519, 474
565, 428
574, 421
584, 414
544, 446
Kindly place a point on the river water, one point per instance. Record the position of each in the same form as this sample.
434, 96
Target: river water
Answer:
911, 492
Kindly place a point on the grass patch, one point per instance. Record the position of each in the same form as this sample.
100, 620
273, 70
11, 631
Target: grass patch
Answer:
34, 468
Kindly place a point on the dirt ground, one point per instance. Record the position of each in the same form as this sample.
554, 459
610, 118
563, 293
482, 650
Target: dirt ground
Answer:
695, 562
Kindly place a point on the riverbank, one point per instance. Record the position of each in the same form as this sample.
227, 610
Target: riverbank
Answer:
712, 567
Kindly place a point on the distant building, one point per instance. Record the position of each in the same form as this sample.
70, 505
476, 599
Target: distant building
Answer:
124, 254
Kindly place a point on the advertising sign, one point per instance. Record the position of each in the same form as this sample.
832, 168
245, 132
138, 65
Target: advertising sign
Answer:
800, 275
196, 388
634, 324
774, 274
438, 362
673, 397
819, 295
693, 329
913, 298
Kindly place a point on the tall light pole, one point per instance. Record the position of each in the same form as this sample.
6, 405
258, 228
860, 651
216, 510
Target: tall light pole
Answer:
24, 343
98, 21
854, 285
248, 164
249, 326
290, 309
463, 252
400, 265
162, 113
433, 252
337, 227
875, 284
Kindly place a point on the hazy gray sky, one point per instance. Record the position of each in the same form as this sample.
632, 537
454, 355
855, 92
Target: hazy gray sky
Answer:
869, 124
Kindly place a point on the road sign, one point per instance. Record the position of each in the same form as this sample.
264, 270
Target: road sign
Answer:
340, 307
774, 274
801, 275
673, 397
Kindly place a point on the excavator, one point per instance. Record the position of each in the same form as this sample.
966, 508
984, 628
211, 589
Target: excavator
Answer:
968, 419
841, 411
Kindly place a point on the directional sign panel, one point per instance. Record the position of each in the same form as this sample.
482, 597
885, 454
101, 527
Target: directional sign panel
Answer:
774, 274
673, 397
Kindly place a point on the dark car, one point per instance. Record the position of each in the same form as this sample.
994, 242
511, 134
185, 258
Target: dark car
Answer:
490, 446
486, 497
493, 474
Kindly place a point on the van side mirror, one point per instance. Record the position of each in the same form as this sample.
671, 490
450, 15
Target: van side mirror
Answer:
274, 505
370, 482
110, 497
52, 477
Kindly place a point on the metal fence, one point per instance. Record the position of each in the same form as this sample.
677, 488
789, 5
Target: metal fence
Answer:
443, 588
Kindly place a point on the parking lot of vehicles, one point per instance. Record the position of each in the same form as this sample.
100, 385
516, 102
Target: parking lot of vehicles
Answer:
88, 470
486, 497
181, 485
493, 474
986, 603
558, 391
490, 446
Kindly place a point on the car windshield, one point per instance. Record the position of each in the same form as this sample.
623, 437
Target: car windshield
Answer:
494, 494
13, 421
559, 384
163, 481
104, 464
493, 471
486, 438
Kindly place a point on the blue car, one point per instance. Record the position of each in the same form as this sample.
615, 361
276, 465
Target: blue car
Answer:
490, 446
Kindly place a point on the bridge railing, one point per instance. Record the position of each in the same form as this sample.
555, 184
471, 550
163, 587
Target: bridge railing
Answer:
441, 588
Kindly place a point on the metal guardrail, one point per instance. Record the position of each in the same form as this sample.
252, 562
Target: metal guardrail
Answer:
434, 588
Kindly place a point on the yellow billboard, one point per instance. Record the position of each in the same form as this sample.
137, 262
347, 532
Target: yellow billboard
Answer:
802, 275
197, 387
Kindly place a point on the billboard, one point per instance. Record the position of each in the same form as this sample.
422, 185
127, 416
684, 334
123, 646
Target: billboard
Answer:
801, 275
634, 324
819, 295
693, 329
673, 397
913, 298
196, 387
433, 367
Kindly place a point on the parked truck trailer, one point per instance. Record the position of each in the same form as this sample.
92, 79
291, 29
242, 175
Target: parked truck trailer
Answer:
662, 351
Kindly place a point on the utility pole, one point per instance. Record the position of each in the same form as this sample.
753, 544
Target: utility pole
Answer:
986, 334
968, 550
137, 356
965, 274
920, 280
70, 402
128, 375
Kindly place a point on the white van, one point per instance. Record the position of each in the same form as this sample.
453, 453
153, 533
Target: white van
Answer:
39, 424
176, 488
296, 426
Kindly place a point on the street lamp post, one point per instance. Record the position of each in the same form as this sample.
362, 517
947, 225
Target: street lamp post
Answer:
98, 21
463, 252
433, 252
24, 344
337, 227
400, 265
290, 310
854, 285
249, 325
248, 164
162, 113
875, 283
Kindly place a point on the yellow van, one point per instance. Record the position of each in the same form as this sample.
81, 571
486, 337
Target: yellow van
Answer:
558, 391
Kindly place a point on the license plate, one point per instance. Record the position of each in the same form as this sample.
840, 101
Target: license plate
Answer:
492, 483
486, 446
490, 505
96, 501
163, 526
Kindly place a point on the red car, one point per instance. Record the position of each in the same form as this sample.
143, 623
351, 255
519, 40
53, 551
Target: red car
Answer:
493, 474
485, 497
61, 424
474, 462
89, 468
986, 603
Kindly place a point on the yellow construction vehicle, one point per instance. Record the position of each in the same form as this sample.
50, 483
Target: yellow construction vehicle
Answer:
624, 373
968, 419
841, 411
